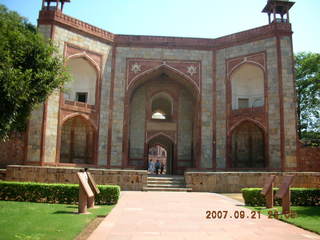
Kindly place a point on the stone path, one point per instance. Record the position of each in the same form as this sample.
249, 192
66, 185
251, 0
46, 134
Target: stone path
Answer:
175, 215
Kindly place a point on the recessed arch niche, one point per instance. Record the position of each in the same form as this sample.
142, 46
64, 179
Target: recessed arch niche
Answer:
247, 86
248, 146
82, 87
77, 141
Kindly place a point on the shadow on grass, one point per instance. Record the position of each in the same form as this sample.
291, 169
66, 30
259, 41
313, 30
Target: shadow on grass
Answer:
307, 211
72, 206
65, 212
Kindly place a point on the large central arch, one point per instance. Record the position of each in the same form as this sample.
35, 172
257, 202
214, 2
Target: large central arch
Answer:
174, 97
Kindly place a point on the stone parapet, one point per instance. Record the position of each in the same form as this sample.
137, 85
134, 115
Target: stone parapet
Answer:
232, 182
126, 179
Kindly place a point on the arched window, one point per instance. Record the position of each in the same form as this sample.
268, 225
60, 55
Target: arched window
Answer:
247, 83
161, 107
82, 87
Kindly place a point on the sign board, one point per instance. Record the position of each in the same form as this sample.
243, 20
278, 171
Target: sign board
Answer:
84, 184
93, 184
284, 188
268, 184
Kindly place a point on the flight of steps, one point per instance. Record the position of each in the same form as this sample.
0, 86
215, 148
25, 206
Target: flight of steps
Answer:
166, 183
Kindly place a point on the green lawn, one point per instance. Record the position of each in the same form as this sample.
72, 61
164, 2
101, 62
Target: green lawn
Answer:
307, 217
37, 221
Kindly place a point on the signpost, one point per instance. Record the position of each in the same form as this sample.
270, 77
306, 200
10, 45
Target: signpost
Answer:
85, 192
284, 193
94, 188
267, 191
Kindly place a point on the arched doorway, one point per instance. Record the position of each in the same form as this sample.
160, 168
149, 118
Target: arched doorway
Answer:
163, 102
77, 141
248, 146
165, 152
159, 153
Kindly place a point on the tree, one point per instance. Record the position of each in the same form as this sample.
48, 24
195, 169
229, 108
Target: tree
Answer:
307, 66
30, 70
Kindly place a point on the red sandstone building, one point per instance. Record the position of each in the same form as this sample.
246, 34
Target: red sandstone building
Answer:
223, 104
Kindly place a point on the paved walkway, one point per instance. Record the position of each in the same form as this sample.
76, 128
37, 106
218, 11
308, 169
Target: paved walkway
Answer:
170, 215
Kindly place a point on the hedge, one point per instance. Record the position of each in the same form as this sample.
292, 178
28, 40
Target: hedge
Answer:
299, 197
53, 193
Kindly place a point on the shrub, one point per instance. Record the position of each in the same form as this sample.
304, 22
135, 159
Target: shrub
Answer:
53, 193
299, 197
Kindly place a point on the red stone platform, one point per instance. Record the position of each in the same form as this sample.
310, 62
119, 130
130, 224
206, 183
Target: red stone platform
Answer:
182, 216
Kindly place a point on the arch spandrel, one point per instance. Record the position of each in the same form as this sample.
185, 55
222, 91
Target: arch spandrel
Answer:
186, 72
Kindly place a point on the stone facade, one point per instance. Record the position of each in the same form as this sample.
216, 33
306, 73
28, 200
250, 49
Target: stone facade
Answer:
195, 75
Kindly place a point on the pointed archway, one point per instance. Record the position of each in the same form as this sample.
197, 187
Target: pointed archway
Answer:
162, 101
77, 141
248, 146
168, 145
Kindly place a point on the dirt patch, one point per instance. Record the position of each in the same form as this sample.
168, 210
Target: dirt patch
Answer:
89, 229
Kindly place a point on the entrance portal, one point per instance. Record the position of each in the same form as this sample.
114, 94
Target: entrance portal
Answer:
160, 148
162, 111
158, 153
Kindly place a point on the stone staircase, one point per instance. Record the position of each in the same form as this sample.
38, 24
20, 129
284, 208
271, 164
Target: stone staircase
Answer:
166, 183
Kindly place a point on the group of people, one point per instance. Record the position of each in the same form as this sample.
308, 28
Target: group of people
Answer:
156, 167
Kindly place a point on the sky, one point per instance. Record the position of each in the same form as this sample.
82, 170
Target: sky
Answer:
184, 18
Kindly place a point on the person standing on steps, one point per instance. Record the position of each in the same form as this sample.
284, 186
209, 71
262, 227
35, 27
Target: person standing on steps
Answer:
151, 166
157, 166
161, 167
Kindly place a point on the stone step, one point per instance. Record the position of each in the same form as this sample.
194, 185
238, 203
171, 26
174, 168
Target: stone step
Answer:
167, 185
162, 189
166, 178
166, 181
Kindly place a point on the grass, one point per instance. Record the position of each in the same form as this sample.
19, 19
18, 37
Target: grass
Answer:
307, 217
37, 221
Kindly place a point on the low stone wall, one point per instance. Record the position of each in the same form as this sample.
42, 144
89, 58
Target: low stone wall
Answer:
232, 182
126, 179
12, 150
309, 158
2, 174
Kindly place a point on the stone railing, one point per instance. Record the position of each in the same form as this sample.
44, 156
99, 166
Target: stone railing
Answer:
78, 106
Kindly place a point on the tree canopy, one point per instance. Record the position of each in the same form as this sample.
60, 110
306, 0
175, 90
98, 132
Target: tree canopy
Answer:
307, 66
30, 70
